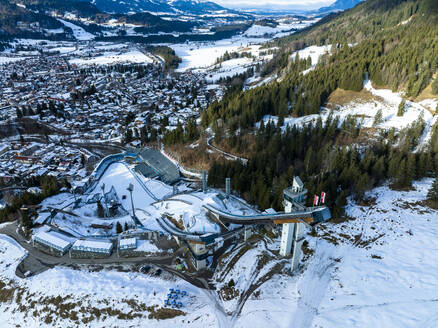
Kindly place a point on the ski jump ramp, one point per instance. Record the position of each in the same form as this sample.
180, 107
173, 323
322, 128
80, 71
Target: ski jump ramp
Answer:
308, 216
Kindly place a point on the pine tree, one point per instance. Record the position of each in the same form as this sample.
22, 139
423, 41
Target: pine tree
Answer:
119, 228
435, 86
401, 108
411, 169
433, 191
100, 210
126, 227
378, 118
26, 220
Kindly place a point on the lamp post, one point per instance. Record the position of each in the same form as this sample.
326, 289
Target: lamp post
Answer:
103, 197
131, 189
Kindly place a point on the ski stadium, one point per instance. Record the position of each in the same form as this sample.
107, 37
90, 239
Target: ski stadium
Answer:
141, 198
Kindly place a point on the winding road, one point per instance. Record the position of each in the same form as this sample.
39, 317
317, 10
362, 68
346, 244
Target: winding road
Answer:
226, 154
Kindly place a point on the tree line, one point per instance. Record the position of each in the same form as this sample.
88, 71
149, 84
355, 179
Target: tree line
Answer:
321, 153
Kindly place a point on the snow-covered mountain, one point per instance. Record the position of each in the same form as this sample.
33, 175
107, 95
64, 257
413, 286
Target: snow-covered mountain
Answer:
192, 7
340, 5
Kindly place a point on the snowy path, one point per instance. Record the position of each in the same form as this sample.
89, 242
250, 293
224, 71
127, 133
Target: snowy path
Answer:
223, 320
313, 286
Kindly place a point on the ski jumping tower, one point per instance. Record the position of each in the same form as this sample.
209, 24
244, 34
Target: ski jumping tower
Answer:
292, 236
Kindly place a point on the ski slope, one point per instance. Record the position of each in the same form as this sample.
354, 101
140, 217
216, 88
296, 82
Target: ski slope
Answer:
78, 32
120, 176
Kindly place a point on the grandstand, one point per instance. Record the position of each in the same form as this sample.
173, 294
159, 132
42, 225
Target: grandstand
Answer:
146, 171
160, 164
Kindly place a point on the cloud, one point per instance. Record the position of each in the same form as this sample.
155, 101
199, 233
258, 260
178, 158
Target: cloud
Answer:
290, 4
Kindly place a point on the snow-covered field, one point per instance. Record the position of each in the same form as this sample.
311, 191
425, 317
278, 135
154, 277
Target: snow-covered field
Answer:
205, 54
202, 56
133, 56
6, 60
314, 52
229, 68
284, 27
376, 270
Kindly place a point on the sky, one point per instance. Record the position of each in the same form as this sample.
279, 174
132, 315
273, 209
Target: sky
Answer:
275, 4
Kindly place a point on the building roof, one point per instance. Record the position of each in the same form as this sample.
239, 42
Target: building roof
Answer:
52, 239
298, 182
128, 242
105, 245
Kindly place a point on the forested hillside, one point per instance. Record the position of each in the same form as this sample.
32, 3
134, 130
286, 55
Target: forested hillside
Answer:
393, 40
12, 15
395, 43
32, 19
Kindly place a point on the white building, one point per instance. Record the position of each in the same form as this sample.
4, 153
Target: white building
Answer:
128, 243
52, 242
93, 246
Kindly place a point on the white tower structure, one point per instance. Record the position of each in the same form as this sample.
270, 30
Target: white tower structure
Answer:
292, 236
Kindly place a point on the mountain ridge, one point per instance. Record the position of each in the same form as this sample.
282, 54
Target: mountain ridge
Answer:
339, 5
172, 7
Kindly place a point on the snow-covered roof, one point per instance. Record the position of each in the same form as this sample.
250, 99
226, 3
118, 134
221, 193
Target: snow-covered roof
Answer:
51, 240
42, 217
92, 245
128, 243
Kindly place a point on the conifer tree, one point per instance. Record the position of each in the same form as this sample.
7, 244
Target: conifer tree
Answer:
378, 118
433, 191
435, 86
401, 108
100, 210
26, 220
119, 228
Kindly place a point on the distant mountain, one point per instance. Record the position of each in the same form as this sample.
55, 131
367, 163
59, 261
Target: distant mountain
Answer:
39, 19
191, 7
77, 19
339, 5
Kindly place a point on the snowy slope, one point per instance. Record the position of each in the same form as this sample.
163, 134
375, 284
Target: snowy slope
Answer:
386, 102
78, 32
377, 270
110, 57
118, 172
